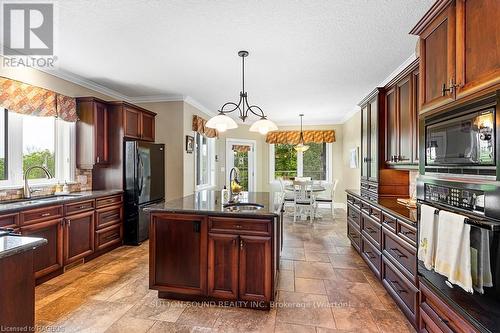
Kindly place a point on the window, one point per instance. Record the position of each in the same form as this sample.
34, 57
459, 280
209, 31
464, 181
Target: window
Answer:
204, 164
287, 163
43, 141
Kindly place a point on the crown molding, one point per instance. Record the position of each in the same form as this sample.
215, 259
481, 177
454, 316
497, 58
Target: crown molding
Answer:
398, 70
157, 98
193, 102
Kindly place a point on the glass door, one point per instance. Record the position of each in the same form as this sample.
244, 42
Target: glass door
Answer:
241, 154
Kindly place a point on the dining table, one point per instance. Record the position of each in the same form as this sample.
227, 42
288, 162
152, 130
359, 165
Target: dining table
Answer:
315, 188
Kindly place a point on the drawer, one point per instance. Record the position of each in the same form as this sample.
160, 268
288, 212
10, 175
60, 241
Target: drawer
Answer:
371, 230
372, 256
354, 235
426, 323
353, 215
79, 207
404, 293
41, 214
108, 216
350, 199
376, 213
403, 254
389, 222
240, 226
107, 201
408, 233
365, 207
108, 236
9, 220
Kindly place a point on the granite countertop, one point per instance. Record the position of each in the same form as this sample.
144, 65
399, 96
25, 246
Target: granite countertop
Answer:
208, 202
391, 206
11, 245
37, 202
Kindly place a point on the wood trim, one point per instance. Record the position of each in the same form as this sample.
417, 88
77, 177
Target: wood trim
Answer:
45, 214
99, 211
405, 72
437, 8
224, 294
132, 106
83, 207
66, 258
243, 295
370, 96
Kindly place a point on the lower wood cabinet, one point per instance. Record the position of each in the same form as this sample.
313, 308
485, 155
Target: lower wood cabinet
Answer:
223, 262
372, 256
47, 258
78, 236
255, 268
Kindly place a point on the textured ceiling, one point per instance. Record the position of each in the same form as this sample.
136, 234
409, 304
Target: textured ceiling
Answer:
317, 57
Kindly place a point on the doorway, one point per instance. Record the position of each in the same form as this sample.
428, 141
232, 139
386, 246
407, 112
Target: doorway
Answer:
240, 153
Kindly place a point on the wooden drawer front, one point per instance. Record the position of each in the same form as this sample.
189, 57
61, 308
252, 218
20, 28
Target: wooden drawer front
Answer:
9, 221
401, 253
108, 236
107, 201
408, 233
354, 236
350, 199
376, 214
79, 207
426, 323
372, 256
108, 216
371, 230
240, 226
440, 314
389, 222
41, 214
354, 216
402, 290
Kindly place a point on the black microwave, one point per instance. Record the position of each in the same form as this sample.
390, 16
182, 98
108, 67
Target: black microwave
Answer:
464, 140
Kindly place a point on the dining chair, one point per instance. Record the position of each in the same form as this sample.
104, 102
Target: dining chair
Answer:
329, 198
288, 195
303, 199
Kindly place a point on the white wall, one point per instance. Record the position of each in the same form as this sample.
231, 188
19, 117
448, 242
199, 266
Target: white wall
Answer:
351, 139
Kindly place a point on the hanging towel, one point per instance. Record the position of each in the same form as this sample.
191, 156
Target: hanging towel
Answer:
427, 236
453, 257
480, 259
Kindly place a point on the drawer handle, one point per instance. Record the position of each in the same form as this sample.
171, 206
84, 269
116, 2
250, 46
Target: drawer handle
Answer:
389, 222
238, 226
399, 290
84, 206
371, 230
45, 214
354, 236
370, 255
111, 236
112, 216
406, 233
398, 252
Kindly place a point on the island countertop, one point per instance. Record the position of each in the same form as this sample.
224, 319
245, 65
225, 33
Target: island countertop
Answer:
10, 245
208, 202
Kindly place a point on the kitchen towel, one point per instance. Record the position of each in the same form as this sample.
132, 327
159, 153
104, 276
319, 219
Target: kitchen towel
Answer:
480, 259
427, 236
453, 254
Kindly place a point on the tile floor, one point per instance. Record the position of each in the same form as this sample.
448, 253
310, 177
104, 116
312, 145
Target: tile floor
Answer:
324, 287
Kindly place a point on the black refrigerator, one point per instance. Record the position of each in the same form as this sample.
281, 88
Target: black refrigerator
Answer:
144, 180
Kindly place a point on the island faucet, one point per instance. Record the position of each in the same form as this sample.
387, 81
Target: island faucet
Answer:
27, 190
236, 172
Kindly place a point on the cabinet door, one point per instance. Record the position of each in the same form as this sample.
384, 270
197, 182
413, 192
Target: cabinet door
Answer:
478, 45
78, 236
405, 120
132, 122
437, 60
415, 110
392, 125
373, 123
255, 268
101, 134
223, 266
179, 261
147, 127
364, 142
49, 257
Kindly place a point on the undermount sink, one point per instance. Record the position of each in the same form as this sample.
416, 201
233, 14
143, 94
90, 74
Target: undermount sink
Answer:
242, 206
26, 202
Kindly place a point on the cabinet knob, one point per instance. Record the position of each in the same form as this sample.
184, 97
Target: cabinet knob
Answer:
69, 222
98, 159
241, 244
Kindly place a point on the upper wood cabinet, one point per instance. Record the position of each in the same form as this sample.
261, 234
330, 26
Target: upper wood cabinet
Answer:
370, 135
459, 50
92, 133
138, 123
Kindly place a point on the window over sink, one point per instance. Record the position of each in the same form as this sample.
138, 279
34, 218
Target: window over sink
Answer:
27, 140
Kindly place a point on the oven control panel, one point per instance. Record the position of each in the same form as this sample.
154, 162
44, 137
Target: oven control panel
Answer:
467, 199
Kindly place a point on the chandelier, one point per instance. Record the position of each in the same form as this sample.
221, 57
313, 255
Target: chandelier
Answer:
301, 147
222, 122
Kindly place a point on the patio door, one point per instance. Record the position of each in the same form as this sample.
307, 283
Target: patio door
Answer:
240, 153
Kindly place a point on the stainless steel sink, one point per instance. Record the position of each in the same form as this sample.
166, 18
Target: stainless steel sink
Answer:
27, 202
242, 207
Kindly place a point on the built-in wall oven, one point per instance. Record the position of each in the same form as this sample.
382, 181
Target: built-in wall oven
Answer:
479, 201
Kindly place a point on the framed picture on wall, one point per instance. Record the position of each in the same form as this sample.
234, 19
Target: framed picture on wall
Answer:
189, 144
353, 158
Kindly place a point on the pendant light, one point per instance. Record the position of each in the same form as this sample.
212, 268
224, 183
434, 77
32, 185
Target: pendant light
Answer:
301, 147
222, 122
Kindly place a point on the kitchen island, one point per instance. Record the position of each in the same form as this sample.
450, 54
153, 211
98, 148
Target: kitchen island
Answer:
202, 250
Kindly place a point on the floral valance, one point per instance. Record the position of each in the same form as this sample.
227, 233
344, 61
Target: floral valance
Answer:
199, 125
293, 137
241, 148
26, 99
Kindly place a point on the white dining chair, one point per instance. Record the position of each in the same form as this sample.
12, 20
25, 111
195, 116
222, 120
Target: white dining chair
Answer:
303, 199
287, 195
329, 196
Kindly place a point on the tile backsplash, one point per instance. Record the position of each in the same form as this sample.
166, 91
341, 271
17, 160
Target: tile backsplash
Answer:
83, 182
413, 183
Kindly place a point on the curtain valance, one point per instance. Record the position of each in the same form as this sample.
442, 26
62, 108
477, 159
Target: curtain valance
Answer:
26, 99
293, 137
199, 125
241, 148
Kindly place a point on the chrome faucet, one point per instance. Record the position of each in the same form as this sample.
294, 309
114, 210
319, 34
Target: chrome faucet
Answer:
236, 172
27, 190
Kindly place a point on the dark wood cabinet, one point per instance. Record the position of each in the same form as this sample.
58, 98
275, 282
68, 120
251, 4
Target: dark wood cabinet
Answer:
223, 263
392, 125
92, 133
47, 258
255, 268
147, 126
364, 142
459, 51
370, 136
138, 123
78, 236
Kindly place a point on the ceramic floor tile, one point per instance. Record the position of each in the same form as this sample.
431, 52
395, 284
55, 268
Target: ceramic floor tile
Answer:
130, 324
353, 294
293, 328
166, 327
245, 320
286, 265
304, 309
354, 319
313, 270
312, 256
293, 253
286, 281
309, 286
202, 316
